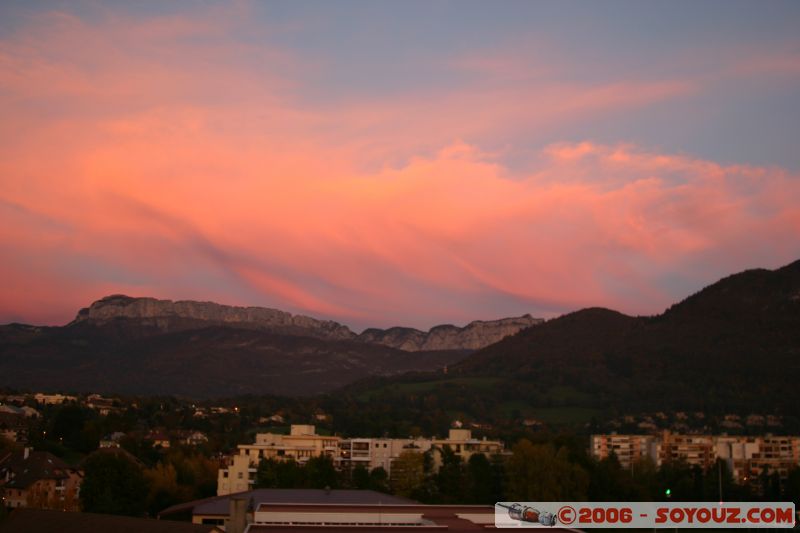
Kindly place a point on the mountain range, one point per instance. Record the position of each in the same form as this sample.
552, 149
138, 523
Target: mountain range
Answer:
165, 316
733, 345
150, 346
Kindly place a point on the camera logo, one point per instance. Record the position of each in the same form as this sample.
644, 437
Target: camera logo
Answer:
523, 513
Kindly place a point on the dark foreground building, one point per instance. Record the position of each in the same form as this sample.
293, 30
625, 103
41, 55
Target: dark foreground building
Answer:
44, 521
301, 510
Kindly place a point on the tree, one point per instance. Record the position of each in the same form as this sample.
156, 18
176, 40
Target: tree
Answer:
610, 482
771, 483
407, 473
163, 482
267, 474
542, 473
196, 474
678, 478
113, 484
290, 474
73, 427
320, 473
379, 479
359, 477
276, 474
450, 480
645, 480
792, 487
480, 480
712, 484
499, 477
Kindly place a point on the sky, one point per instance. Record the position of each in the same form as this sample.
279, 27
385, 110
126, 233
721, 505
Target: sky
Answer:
394, 163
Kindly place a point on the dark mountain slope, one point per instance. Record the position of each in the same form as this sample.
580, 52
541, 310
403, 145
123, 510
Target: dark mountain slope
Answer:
213, 361
732, 347
735, 342
151, 346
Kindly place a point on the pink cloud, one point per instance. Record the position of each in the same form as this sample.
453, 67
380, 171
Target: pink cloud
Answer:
157, 176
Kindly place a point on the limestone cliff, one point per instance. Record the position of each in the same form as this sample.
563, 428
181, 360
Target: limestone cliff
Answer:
473, 336
168, 315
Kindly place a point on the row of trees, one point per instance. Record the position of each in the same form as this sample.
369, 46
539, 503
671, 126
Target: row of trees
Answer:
117, 483
543, 471
560, 469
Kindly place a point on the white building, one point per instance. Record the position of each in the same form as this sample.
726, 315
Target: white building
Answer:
302, 443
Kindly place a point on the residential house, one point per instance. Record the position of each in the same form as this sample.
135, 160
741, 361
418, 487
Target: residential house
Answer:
39, 480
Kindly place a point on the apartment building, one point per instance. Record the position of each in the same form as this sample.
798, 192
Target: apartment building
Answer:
750, 457
53, 399
302, 443
628, 448
377, 453
238, 476
697, 450
747, 457
464, 445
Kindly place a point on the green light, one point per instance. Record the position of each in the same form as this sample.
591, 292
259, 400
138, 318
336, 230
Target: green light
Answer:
668, 492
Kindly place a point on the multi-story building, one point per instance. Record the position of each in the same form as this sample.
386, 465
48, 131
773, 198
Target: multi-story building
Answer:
238, 476
302, 443
464, 445
696, 450
53, 399
750, 457
628, 448
747, 457
38, 480
377, 453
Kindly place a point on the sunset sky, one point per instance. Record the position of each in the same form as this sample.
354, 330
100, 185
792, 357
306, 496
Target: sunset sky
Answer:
394, 163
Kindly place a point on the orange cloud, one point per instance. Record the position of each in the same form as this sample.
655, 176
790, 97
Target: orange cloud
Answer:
195, 176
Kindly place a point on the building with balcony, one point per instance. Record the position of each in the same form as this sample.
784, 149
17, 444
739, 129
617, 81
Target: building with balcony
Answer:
465, 445
750, 457
696, 450
747, 457
629, 449
302, 443
377, 453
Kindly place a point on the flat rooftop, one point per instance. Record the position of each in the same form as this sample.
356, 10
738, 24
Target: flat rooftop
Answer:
220, 505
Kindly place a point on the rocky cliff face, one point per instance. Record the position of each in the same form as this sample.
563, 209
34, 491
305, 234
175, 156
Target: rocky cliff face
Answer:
167, 316
473, 336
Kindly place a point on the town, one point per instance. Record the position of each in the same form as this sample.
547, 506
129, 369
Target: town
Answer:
183, 452
307, 265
